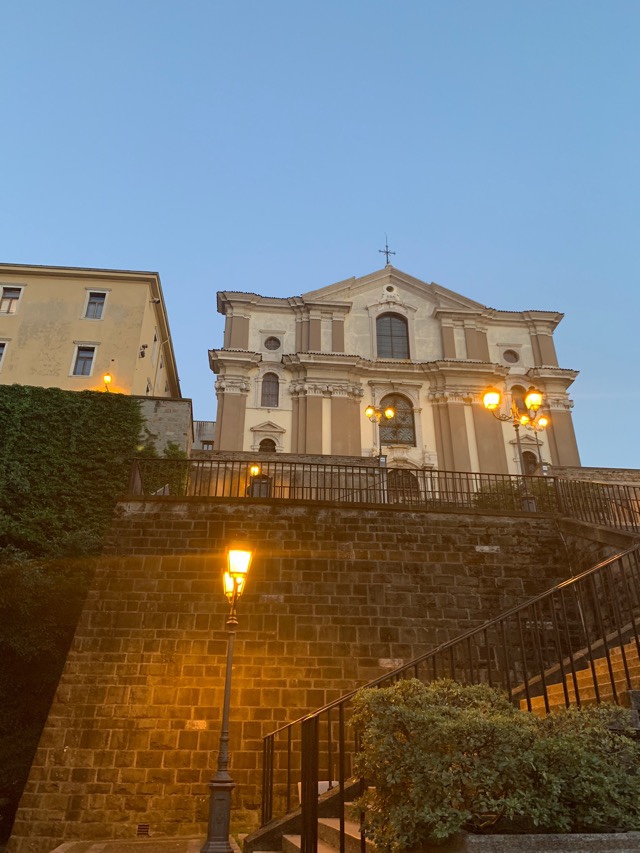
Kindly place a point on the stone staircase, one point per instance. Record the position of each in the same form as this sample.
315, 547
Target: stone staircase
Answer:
329, 827
329, 837
603, 680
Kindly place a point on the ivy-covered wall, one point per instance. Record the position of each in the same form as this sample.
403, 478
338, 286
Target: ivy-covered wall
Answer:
64, 461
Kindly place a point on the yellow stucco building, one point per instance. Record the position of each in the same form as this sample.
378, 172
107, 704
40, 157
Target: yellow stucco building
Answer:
67, 327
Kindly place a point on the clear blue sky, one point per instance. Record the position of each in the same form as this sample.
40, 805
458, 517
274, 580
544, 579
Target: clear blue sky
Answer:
268, 147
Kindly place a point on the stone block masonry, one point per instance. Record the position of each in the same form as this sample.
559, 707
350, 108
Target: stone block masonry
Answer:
335, 596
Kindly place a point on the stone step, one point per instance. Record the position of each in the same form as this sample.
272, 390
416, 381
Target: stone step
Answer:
329, 831
293, 844
188, 844
329, 837
603, 680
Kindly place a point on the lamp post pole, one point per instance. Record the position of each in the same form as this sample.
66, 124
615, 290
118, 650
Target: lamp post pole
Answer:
222, 785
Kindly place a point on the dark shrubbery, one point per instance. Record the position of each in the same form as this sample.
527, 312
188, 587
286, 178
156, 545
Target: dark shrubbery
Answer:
64, 460
440, 758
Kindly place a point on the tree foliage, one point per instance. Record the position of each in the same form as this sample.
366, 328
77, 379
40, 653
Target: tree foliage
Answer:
441, 757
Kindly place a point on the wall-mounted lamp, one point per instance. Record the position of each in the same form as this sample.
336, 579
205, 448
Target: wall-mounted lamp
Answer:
107, 379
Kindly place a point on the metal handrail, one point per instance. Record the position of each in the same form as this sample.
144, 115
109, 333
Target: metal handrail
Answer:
350, 483
610, 505
559, 647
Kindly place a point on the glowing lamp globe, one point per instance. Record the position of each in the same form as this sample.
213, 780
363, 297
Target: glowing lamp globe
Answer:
491, 399
533, 400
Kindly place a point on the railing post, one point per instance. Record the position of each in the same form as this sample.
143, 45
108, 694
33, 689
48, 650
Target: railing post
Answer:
309, 786
560, 508
135, 479
267, 779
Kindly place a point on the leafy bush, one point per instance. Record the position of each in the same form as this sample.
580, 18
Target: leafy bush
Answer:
159, 476
512, 494
441, 757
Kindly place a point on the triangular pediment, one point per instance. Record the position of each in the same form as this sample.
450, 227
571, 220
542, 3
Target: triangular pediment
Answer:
347, 290
268, 426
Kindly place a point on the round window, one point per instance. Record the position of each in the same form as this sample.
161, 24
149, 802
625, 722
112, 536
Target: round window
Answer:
511, 356
272, 343
390, 288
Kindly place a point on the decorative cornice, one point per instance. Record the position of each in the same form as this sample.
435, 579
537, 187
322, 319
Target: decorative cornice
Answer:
222, 359
232, 385
315, 388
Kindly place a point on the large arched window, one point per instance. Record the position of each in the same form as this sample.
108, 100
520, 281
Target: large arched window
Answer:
392, 336
270, 391
401, 428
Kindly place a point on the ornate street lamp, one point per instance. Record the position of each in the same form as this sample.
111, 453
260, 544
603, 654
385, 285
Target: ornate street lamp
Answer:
531, 419
239, 556
375, 415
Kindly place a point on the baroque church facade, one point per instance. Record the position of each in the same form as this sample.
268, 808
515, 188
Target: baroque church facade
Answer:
296, 374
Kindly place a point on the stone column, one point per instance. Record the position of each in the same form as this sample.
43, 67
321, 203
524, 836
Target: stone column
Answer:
337, 335
562, 438
477, 344
239, 333
448, 342
314, 424
451, 431
302, 335
315, 334
232, 406
546, 350
492, 456
298, 420
345, 425
459, 437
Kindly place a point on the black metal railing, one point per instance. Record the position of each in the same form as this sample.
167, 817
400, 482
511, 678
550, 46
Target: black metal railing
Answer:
302, 481
607, 504
576, 643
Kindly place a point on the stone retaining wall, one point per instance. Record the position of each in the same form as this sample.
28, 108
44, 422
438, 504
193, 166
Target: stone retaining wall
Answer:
336, 596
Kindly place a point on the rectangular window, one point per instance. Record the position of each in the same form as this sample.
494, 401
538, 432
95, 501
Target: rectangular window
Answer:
84, 361
9, 300
95, 305
3, 347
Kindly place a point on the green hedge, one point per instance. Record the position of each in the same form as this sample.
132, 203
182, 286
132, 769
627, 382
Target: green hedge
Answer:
64, 461
441, 757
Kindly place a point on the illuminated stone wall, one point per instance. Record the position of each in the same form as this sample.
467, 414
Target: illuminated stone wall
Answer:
336, 596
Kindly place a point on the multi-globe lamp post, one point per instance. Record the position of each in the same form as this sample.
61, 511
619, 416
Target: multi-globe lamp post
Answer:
531, 419
239, 556
375, 415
